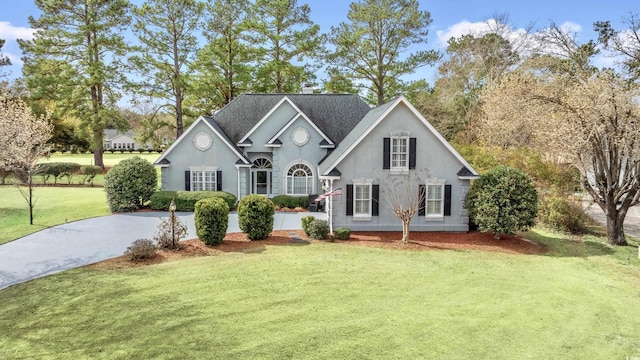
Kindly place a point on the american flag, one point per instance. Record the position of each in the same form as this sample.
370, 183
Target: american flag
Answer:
337, 191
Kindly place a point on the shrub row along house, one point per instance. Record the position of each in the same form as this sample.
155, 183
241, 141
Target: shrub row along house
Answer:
293, 144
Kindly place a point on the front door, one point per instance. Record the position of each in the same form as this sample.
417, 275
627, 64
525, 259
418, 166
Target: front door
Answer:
261, 185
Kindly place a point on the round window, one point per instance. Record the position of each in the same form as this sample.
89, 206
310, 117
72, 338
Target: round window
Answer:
300, 136
202, 141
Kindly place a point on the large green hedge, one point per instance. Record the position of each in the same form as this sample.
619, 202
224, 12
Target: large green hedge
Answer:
130, 184
502, 201
255, 216
212, 218
291, 202
186, 200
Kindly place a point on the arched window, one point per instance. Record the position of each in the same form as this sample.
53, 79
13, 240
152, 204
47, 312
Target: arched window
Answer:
261, 163
299, 180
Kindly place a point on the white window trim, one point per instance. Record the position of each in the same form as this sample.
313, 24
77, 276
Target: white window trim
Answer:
399, 169
287, 177
203, 169
440, 215
362, 182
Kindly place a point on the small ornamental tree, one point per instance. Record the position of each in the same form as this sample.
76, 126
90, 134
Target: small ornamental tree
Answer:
502, 201
255, 216
211, 217
130, 184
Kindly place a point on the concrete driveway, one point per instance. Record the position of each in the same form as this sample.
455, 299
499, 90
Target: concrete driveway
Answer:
631, 221
88, 241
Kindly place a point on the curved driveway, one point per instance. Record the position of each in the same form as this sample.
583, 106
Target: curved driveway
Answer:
88, 241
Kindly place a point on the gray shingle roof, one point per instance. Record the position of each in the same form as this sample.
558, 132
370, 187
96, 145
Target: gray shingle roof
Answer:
334, 114
349, 140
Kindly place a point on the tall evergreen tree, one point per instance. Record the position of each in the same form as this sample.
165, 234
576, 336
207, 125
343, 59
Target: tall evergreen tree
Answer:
73, 60
224, 66
371, 46
284, 33
166, 29
4, 59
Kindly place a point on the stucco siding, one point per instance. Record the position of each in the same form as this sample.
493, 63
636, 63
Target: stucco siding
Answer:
433, 160
185, 155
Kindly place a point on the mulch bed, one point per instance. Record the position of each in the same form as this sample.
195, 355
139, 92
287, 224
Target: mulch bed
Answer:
420, 241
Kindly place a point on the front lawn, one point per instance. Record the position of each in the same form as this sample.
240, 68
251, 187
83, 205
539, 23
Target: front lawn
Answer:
54, 205
334, 301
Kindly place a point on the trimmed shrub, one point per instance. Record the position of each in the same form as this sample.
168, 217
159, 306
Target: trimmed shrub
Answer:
186, 200
211, 217
89, 173
318, 229
291, 202
305, 223
4, 174
140, 249
129, 184
502, 201
255, 216
342, 233
563, 214
58, 170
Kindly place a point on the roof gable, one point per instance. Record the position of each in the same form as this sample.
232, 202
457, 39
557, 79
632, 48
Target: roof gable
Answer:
211, 124
333, 114
369, 122
326, 140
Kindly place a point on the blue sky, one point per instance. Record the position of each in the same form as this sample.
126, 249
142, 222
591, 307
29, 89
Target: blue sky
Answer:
450, 18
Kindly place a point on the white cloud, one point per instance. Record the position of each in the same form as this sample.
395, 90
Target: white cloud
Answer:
10, 32
480, 28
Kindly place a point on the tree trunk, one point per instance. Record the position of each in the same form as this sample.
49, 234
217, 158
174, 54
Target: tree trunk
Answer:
31, 199
405, 231
98, 150
615, 230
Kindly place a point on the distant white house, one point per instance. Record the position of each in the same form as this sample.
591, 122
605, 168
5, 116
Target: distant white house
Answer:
118, 140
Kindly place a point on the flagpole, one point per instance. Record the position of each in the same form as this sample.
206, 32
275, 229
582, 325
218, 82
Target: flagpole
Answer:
330, 208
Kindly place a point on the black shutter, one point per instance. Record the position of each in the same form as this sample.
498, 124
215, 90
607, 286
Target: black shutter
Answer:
422, 195
219, 180
386, 153
349, 199
187, 180
412, 153
375, 200
447, 200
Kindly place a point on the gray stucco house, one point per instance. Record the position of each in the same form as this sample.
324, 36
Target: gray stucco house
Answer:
302, 144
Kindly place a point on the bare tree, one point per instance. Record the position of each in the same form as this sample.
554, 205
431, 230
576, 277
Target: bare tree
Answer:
404, 197
22, 143
592, 121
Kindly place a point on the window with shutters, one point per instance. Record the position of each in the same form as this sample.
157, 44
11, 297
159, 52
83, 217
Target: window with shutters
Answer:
362, 200
203, 180
434, 201
399, 153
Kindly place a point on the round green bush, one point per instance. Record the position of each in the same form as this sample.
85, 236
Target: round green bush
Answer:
255, 216
342, 233
318, 229
211, 217
129, 184
305, 223
502, 201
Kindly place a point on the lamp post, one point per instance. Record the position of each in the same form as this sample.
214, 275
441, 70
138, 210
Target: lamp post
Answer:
172, 216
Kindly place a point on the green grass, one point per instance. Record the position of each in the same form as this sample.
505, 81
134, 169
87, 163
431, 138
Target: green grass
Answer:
108, 158
334, 301
54, 205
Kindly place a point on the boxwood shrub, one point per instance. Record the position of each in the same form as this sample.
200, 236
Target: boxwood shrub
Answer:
342, 233
291, 202
255, 216
211, 217
186, 200
318, 229
305, 223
